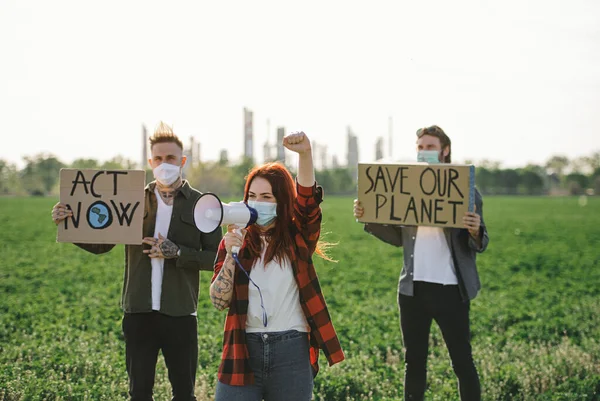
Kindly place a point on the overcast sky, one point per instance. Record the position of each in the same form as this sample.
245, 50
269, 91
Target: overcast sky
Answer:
513, 81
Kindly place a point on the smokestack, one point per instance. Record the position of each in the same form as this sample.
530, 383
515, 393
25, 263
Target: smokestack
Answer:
391, 133
144, 147
192, 150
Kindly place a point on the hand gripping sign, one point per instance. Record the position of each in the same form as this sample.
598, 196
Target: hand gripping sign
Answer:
416, 193
107, 205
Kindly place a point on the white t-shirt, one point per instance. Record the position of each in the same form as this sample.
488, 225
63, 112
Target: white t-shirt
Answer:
163, 220
280, 295
433, 261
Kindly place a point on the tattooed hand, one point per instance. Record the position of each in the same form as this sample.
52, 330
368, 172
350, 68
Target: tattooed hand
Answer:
161, 247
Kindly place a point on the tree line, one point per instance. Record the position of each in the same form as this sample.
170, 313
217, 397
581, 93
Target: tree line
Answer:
558, 176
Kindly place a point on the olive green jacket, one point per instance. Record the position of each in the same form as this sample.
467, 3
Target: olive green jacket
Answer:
181, 277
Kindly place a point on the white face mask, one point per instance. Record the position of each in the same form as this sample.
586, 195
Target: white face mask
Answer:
166, 173
428, 156
267, 212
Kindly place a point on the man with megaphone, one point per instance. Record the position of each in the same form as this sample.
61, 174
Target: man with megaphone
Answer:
277, 319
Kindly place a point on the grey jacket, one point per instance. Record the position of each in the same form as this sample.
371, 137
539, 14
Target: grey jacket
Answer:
462, 247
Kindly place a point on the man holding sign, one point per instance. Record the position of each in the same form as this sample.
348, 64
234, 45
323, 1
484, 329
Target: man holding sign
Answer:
439, 276
160, 292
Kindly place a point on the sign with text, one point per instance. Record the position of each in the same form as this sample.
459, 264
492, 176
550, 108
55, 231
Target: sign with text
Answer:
416, 193
107, 205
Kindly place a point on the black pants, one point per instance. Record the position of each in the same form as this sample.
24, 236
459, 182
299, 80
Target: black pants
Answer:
177, 337
444, 305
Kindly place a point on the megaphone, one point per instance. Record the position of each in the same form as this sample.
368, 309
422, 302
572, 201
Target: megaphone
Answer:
210, 213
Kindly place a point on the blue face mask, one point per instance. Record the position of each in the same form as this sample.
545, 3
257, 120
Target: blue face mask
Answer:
267, 212
428, 156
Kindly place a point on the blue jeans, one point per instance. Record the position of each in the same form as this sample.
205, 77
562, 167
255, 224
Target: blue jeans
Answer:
281, 365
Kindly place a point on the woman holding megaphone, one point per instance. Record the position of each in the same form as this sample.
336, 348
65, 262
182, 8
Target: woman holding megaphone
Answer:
277, 319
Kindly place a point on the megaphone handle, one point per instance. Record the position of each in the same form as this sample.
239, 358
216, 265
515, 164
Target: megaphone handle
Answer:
236, 249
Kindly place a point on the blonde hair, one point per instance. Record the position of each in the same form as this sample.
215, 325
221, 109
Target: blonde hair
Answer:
164, 133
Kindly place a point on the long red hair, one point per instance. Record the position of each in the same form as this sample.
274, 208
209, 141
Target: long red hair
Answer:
284, 191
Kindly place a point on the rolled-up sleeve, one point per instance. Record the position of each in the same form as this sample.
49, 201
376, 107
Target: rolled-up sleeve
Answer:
307, 213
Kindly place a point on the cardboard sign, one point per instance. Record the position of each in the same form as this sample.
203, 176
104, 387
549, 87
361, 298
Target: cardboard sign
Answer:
416, 193
107, 205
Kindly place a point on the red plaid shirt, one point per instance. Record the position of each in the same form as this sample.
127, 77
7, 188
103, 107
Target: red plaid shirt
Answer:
235, 367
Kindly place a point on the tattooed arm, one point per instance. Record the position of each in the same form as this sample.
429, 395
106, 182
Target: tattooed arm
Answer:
221, 289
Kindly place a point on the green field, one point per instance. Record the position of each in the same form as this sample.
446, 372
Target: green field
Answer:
536, 331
